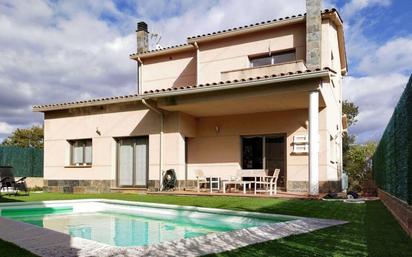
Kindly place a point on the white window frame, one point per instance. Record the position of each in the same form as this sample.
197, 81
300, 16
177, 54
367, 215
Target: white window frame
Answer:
83, 145
272, 55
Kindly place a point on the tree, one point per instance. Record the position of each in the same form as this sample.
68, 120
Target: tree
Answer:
356, 157
351, 111
30, 137
358, 166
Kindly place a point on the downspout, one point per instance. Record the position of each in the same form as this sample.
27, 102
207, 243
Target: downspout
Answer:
197, 62
139, 75
161, 115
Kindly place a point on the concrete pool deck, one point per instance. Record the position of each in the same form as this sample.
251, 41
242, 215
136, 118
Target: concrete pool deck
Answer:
48, 243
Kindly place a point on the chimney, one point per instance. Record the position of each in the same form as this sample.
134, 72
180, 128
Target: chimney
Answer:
313, 33
142, 36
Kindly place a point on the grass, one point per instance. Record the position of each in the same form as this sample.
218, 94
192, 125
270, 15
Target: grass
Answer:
372, 230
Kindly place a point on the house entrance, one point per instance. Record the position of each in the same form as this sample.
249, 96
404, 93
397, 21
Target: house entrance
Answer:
265, 152
132, 161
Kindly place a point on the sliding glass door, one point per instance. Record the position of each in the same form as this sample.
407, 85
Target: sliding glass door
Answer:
265, 152
132, 162
275, 156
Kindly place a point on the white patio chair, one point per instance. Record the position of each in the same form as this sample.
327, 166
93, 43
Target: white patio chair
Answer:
201, 179
269, 183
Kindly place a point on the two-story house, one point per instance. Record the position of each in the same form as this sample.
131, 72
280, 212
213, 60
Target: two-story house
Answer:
261, 96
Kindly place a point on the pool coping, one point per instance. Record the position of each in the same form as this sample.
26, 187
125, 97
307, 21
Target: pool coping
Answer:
49, 243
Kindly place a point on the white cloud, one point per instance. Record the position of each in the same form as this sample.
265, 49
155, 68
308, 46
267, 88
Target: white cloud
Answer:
58, 51
5, 128
376, 97
381, 69
208, 16
353, 7
393, 56
358, 45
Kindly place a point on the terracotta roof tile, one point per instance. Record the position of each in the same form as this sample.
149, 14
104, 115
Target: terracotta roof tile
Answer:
242, 80
259, 24
162, 49
159, 91
233, 29
105, 99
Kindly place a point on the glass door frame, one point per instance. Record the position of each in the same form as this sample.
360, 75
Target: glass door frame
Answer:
264, 136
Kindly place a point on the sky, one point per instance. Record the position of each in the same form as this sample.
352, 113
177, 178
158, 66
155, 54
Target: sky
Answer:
57, 51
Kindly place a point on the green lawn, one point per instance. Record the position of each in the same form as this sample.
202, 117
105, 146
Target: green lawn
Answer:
372, 230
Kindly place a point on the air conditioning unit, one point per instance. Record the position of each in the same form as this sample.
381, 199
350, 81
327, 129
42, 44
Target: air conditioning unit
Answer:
300, 139
300, 144
300, 148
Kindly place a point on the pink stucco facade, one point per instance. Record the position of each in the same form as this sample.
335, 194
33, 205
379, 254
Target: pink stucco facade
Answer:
203, 127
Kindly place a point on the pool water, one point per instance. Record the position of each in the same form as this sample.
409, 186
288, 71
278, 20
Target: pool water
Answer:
118, 228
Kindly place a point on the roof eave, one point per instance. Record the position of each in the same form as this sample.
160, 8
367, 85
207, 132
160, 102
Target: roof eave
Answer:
189, 90
89, 103
234, 32
245, 30
270, 80
260, 26
165, 51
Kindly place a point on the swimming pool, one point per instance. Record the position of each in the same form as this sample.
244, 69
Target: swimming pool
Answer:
131, 225
97, 227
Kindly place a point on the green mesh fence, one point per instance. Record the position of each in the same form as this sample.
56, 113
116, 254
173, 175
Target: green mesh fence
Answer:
392, 161
27, 162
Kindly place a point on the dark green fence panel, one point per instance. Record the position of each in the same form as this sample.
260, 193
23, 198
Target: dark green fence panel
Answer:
392, 161
27, 162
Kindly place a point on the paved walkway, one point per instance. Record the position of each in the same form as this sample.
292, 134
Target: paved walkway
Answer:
295, 195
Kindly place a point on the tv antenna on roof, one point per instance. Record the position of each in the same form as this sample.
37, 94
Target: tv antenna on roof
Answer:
155, 40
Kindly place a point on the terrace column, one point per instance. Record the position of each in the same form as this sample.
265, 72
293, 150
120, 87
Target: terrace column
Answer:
314, 143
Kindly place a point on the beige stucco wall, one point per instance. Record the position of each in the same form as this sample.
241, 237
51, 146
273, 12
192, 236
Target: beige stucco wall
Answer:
138, 122
216, 59
169, 71
332, 94
263, 70
179, 69
216, 153
219, 153
233, 53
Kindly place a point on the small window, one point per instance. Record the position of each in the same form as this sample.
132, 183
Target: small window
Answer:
289, 56
261, 61
273, 58
81, 152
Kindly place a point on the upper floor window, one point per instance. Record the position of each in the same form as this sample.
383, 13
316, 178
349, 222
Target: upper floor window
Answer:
273, 58
81, 152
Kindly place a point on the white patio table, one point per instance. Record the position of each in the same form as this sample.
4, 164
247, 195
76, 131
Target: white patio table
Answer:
237, 182
256, 174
